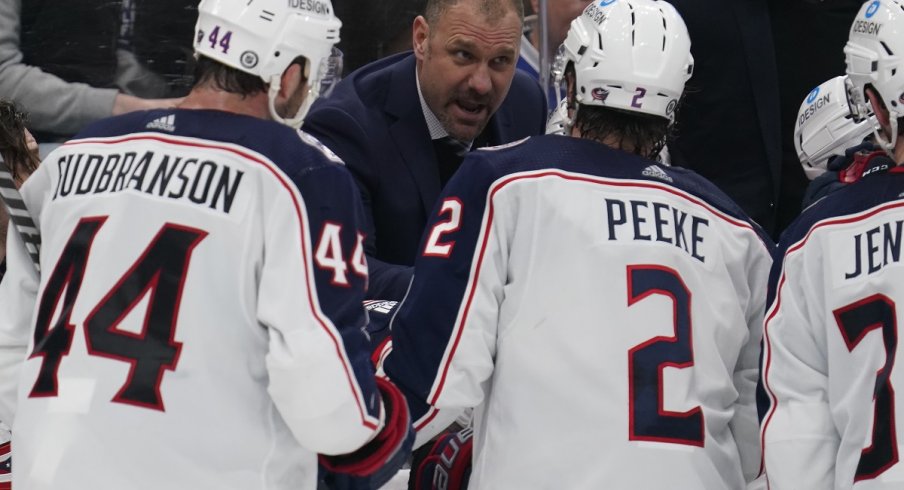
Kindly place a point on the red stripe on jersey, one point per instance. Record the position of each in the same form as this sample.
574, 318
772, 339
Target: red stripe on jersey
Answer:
423, 421
567, 176
255, 158
773, 310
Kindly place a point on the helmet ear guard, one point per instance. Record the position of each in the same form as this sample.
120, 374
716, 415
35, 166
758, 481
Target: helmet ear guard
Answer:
264, 37
632, 55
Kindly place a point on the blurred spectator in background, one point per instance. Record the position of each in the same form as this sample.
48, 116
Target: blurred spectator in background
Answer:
68, 64
559, 14
728, 127
18, 157
374, 30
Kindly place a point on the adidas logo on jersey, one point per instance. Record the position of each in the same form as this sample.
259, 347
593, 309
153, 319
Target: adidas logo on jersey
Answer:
380, 306
165, 123
657, 173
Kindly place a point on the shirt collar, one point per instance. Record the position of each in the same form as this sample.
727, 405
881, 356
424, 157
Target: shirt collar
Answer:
436, 128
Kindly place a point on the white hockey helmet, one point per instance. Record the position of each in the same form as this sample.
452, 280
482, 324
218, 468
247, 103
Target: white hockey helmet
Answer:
873, 55
826, 126
262, 37
633, 55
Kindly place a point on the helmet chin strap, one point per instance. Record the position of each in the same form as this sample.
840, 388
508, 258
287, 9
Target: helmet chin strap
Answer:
889, 144
568, 121
296, 120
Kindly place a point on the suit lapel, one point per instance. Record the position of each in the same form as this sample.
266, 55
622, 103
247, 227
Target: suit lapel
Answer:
410, 133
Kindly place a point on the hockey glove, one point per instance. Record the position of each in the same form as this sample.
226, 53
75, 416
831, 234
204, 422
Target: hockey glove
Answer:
374, 464
446, 465
6, 462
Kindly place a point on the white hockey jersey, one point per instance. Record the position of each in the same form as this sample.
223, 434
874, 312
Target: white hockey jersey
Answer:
831, 389
197, 319
601, 312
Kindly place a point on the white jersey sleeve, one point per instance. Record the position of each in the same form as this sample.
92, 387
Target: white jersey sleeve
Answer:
319, 259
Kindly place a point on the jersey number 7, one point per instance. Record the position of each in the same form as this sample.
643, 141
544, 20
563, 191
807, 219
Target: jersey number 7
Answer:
159, 272
855, 321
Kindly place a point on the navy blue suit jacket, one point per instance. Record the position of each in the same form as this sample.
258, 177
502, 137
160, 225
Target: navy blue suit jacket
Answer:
374, 122
728, 124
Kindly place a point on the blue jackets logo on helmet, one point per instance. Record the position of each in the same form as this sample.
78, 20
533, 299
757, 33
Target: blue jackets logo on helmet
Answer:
599, 94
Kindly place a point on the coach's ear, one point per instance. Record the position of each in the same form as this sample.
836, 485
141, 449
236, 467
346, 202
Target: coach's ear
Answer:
420, 33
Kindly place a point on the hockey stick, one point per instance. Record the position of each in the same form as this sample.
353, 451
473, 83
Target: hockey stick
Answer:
19, 215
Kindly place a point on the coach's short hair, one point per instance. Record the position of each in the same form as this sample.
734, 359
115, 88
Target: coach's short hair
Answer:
491, 9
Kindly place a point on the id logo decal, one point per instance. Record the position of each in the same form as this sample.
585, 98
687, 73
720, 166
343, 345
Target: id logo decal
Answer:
872, 9
812, 96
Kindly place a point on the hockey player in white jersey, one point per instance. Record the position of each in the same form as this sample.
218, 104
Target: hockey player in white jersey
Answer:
827, 125
601, 312
197, 322
831, 387
834, 141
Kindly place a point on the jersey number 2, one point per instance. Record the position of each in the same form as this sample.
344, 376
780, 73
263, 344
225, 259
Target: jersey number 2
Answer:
856, 320
159, 272
434, 247
649, 421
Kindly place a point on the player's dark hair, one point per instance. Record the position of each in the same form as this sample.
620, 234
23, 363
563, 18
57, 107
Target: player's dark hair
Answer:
491, 9
639, 133
642, 134
222, 77
13, 146
226, 78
